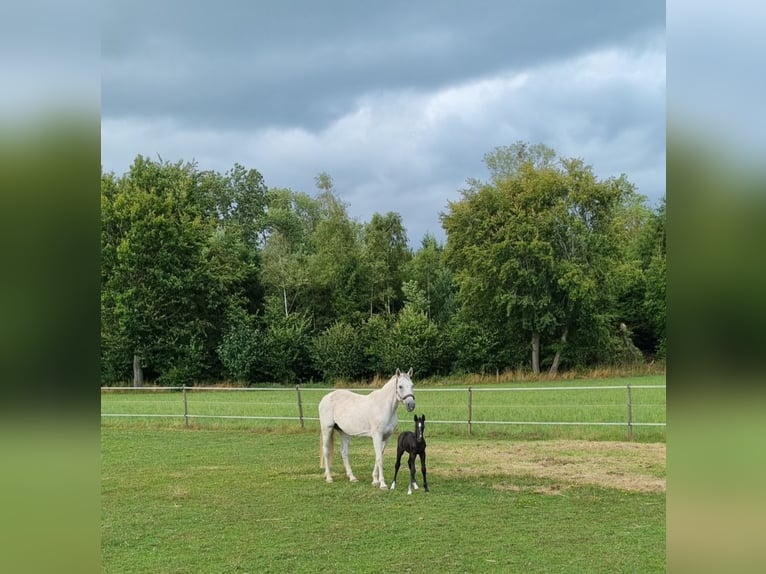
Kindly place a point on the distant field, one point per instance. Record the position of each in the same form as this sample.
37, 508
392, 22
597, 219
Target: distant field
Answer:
446, 408
218, 499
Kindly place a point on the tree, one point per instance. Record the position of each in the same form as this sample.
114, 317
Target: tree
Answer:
385, 256
236, 199
336, 290
642, 278
429, 270
170, 269
290, 222
535, 247
507, 161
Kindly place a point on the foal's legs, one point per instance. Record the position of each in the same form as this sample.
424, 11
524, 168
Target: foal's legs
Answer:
411, 464
423, 469
344, 454
399, 453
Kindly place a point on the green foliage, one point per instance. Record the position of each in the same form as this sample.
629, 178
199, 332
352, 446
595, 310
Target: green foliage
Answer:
385, 256
290, 223
429, 270
479, 348
241, 346
337, 353
336, 292
641, 280
414, 343
506, 161
376, 336
654, 304
207, 276
536, 247
285, 355
170, 268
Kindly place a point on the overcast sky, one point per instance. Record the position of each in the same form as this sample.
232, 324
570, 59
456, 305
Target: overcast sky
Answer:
398, 101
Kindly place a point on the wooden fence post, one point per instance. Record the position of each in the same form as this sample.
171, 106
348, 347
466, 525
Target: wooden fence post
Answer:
300, 404
630, 414
186, 409
470, 408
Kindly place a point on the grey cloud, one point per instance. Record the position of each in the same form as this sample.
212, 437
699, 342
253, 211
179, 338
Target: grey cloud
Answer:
261, 64
399, 103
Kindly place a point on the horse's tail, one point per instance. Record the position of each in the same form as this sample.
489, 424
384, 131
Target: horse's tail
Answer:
331, 445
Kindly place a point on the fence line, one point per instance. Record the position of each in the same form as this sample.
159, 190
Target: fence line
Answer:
629, 423
420, 390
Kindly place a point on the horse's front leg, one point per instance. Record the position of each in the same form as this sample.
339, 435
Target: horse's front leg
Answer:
423, 469
379, 444
411, 464
344, 454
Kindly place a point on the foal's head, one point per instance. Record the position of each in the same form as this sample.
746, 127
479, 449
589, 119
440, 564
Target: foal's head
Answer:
420, 427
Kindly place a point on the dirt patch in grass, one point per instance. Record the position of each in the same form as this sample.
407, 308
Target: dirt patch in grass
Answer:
624, 465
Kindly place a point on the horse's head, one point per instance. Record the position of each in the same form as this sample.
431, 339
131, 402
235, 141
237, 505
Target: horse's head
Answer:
404, 389
420, 427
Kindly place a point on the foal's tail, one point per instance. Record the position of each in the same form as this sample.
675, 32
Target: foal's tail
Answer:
321, 446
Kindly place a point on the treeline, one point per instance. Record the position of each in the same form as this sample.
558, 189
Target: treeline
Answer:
208, 277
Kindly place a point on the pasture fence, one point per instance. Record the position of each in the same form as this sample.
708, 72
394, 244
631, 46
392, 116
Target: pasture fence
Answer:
298, 415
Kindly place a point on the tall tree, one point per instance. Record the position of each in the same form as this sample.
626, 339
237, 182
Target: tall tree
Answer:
506, 161
385, 254
169, 272
290, 223
335, 262
429, 270
238, 199
535, 246
642, 278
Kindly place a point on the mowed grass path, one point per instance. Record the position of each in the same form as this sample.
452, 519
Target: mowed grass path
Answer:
233, 500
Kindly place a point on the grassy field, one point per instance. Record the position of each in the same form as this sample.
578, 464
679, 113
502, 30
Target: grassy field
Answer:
446, 408
227, 500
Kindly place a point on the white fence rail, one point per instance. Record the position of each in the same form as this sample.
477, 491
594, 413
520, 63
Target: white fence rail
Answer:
298, 403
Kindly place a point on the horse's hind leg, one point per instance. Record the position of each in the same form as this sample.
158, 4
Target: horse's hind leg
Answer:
344, 454
423, 469
327, 444
399, 453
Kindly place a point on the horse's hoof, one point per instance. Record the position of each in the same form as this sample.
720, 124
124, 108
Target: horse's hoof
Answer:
353, 479
415, 486
393, 485
409, 492
383, 486
329, 480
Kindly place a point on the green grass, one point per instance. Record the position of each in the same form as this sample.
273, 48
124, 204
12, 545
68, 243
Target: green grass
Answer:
439, 404
226, 500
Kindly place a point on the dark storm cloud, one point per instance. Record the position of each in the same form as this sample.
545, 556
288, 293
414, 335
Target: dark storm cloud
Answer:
255, 64
398, 101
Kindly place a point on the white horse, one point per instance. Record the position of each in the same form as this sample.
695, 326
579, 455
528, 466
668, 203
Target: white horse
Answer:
372, 415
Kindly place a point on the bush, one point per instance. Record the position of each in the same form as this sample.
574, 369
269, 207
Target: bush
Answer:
375, 340
240, 347
285, 352
337, 353
414, 342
